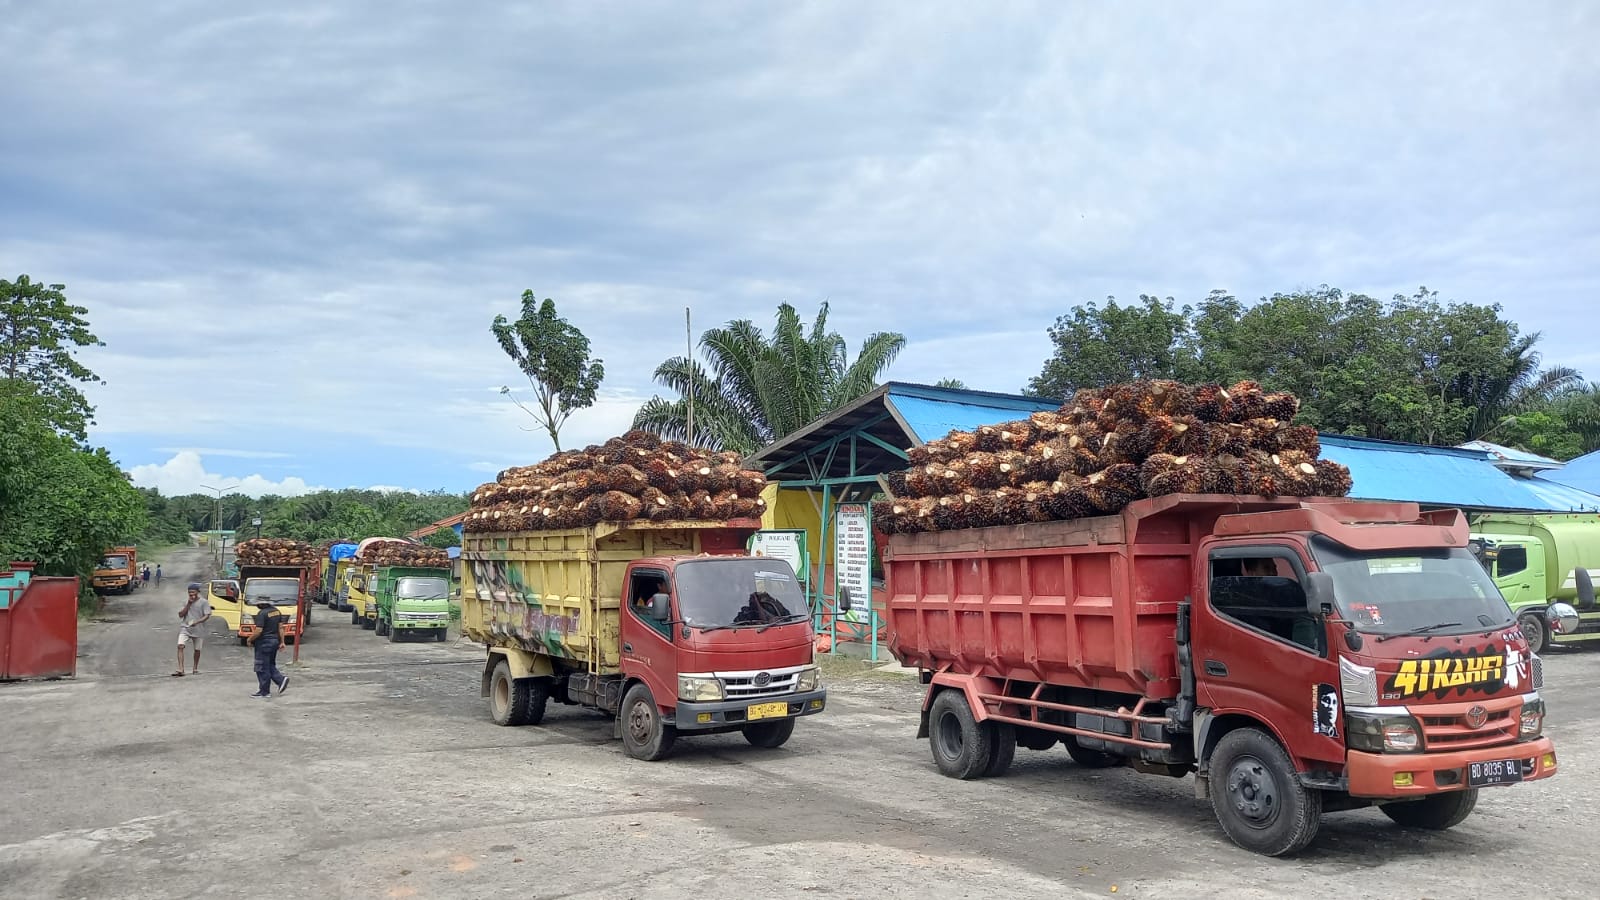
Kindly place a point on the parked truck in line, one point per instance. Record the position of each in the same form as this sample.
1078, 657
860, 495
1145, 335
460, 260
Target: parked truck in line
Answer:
1542, 564
287, 587
117, 571
1297, 656
333, 570
412, 600
668, 626
359, 594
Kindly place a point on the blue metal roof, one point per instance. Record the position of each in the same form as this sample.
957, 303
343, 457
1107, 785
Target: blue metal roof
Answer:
932, 413
1446, 476
1582, 473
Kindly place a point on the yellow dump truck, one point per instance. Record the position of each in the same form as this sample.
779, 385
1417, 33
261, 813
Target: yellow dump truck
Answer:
359, 588
668, 626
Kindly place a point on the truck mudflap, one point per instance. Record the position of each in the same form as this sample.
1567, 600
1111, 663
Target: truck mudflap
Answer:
1389, 776
738, 713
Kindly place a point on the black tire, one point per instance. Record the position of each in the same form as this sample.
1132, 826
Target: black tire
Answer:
1435, 813
1090, 759
394, 636
1002, 748
538, 696
960, 748
508, 697
369, 623
243, 642
439, 634
1257, 800
354, 619
645, 735
770, 735
382, 627
1535, 629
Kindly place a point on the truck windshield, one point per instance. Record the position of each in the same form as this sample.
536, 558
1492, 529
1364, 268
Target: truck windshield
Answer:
735, 592
1434, 591
421, 589
114, 562
278, 590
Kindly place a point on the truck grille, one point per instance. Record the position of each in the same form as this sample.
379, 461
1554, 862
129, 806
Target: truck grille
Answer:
746, 687
1453, 732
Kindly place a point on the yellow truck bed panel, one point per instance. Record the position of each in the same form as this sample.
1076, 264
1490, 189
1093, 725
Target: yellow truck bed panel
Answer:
560, 592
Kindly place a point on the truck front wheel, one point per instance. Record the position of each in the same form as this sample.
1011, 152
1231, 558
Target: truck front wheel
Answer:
1535, 630
508, 697
1256, 797
961, 748
1434, 813
645, 735
770, 735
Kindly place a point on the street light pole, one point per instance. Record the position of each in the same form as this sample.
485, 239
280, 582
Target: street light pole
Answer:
216, 525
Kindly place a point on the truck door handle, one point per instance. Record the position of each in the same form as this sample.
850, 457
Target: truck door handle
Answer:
1216, 669
627, 648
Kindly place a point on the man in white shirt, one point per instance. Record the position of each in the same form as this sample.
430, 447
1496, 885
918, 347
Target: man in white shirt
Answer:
191, 629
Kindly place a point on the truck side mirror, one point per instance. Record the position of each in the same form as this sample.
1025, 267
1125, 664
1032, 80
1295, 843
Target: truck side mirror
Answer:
661, 607
1319, 592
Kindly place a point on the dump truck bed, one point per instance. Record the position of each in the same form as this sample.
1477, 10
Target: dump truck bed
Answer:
1088, 603
559, 593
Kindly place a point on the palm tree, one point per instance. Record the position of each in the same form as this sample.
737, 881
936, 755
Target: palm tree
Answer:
756, 390
1517, 386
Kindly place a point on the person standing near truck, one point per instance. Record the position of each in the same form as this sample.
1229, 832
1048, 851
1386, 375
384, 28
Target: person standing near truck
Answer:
191, 628
158, 574
266, 639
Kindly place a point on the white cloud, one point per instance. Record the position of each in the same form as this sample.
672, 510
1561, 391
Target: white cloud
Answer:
223, 451
185, 473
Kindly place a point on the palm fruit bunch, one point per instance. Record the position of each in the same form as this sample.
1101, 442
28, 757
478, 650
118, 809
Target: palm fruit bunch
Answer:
635, 476
396, 552
1107, 447
275, 552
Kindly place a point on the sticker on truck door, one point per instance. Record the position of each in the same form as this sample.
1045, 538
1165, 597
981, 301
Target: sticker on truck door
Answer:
1325, 717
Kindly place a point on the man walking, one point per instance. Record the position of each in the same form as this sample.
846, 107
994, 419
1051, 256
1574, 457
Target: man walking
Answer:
191, 627
158, 574
266, 640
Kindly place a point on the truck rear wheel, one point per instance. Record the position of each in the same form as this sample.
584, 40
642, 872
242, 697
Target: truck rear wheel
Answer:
1035, 739
961, 749
1259, 803
770, 735
1535, 630
645, 735
1002, 748
508, 697
354, 619
380, 627
1435, 813
369, 623
1089, 759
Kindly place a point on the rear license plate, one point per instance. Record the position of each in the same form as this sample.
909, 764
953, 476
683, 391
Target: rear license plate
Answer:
1494, 771
766, 711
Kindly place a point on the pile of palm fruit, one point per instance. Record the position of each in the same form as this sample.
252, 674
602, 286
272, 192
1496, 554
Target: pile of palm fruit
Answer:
635, 476
274, 552
1107, 447
396, 552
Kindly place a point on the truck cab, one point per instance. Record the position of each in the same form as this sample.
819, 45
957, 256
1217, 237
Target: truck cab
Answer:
1546, 567
223, 595
283, 588
413, 602
721, 643
359, 593
115, 572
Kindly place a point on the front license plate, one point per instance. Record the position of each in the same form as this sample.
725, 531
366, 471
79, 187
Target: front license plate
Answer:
1494, 771
766, 711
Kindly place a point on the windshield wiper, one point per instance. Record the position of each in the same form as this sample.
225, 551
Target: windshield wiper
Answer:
1420, 629
786, 620
708, 628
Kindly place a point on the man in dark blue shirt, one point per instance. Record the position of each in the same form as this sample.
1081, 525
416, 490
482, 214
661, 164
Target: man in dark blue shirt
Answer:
267, 638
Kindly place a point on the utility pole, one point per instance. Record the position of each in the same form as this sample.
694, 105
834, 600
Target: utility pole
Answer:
688, 354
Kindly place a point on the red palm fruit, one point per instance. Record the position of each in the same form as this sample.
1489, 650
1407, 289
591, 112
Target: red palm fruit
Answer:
653, 501
885, 517
896, 483
946, 513
920, 456
921, 481
1047, 459
1211, 403
981, 509
1126, 478
1281, 405
701, 505
1249, 401
1111, 450
1232, 440
1046, 422
1008, 504
954, 478
1332, 479
1016, 468
661, 474
722, 477
958, 444
983, 470
616, 506
1018, 435
750, 483
1158, 474
1292, 480
988, 438
1300, 437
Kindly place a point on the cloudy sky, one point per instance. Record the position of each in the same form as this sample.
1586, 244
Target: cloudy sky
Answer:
293, 222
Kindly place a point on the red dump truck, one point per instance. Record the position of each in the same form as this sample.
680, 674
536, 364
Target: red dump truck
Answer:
1297, 656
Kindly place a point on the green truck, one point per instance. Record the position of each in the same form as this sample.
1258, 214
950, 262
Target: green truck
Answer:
1546, 566
411, 600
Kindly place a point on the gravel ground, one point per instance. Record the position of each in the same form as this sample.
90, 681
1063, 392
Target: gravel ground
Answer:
379, 774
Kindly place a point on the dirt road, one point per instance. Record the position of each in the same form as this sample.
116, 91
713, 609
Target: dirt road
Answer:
138, 634
379, 775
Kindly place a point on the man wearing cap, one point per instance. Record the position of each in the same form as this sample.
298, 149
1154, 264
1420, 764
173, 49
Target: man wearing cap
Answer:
191, 626
265, 640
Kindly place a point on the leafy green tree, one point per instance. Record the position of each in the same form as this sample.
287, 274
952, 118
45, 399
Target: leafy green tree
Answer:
444, 539
952, 383
554, 355
39, 330
757, 389
1102, 345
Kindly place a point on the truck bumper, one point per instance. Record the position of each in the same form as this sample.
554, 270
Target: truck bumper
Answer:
420, 626
1373, 775
734, 714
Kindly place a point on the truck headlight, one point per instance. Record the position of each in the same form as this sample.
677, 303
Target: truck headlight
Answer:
807, 679
1532, 719
1382, 734
699, 689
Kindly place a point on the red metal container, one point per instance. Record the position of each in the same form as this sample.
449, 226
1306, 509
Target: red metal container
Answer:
38, 625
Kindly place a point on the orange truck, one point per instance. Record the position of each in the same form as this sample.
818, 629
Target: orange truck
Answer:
116, 571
